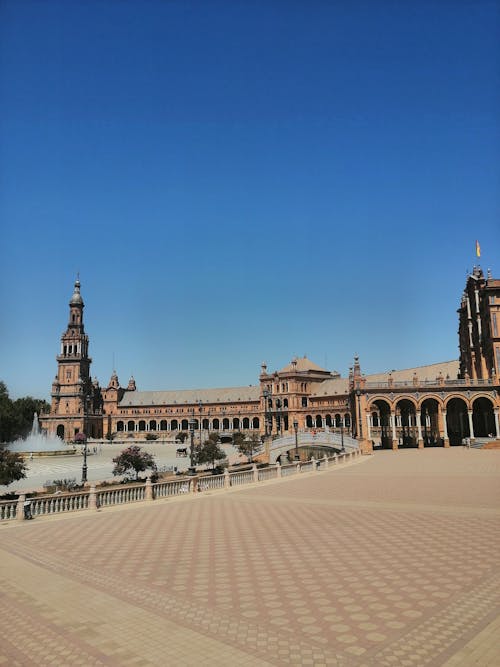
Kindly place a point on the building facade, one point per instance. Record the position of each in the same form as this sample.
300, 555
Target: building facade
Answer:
437, 405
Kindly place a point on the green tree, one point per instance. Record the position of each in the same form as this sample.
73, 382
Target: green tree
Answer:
210, 451
133, 458
7, 418
248, 446
12, 467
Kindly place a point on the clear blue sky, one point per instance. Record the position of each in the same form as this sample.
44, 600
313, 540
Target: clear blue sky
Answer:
239, 182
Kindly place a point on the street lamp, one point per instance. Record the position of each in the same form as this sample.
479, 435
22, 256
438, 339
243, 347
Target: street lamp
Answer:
265, 393
296, 429
358, 394
342, 434
84, 467
192, 468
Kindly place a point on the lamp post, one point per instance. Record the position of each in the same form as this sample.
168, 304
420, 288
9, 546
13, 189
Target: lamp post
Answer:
265, 393
200, 408
192, 468
84, 467
358, 394
342, 434
296, 429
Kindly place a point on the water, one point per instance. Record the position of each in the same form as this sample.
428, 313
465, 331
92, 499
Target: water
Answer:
37, 441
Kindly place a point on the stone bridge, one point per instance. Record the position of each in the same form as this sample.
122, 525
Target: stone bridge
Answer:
330, 442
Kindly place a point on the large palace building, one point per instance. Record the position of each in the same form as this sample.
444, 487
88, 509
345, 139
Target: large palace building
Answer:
437, 405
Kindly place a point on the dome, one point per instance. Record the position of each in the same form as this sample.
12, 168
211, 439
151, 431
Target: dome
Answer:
76, 299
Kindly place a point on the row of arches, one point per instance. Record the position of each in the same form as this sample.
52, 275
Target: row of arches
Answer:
215, 424
331, 421
430, 422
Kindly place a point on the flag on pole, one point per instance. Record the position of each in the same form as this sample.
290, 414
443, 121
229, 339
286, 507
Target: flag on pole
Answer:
478, 249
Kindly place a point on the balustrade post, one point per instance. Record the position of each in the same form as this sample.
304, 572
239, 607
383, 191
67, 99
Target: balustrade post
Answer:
278, 470
148, 494
298, 467
227, 479
255, 473
20, 507
193, 485
325, 458
92, 498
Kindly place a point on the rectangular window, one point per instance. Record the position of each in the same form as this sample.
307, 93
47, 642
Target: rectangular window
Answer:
495, 329
304, 401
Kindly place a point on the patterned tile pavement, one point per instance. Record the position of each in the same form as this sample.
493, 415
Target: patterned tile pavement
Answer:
388, 561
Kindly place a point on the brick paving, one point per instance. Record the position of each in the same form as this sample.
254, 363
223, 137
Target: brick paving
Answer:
388, 561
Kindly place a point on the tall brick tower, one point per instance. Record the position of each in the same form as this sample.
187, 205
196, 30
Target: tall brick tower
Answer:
76, 405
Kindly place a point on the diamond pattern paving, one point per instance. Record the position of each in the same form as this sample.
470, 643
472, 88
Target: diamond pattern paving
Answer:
389, 561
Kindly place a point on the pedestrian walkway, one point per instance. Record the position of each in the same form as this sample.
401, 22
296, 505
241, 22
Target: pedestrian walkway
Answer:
389, 561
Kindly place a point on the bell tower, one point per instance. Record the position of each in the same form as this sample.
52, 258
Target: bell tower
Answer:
76, 405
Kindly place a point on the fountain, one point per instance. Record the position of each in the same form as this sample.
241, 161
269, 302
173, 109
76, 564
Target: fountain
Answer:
39, 442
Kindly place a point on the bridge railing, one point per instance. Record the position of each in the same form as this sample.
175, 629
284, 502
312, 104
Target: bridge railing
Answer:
92, 498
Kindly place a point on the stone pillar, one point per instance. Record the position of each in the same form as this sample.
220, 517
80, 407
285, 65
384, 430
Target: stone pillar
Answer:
20, 507
497, 428
445, 430
394, 438
368, 427
149, 489
92, 498
255, 473
419, 426
278, 470
471, 425
227, 479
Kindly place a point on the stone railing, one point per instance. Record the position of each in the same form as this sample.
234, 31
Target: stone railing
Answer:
93, 498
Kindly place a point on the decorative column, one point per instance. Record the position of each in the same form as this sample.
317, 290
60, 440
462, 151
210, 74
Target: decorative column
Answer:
368, 426
393, 425
20, 507
92, 498
445, 430
496, 423
148, 494
471, 424
419, 426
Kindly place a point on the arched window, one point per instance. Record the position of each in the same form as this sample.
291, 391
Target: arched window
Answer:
338, 421
285, 402
216, 425
347, 420
205, 424
309, 421
246, 422
60, 431
174, 425
256, 422
142, 425
131, 426
184, 425
152, 425
225, 424
120, 426
319, 421
163, 425
236, 423
328, 420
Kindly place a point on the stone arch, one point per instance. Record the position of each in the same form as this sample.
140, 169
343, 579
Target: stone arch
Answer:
120, 426
131, 426
246, 423
184, 425
318, 421
225, 424
429, 422
152, 425
347, 420
483, 417
216, 424
60, 431
406, 421
328, 420
256, 422
457, 420
236, 424
338, 421
174, 425
142, 425
205, 424
381, 433
163, 425
309, 421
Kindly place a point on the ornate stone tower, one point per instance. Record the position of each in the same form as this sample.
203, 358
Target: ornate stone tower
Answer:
76, 405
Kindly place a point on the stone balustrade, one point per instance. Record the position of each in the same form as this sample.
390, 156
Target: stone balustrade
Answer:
93, 499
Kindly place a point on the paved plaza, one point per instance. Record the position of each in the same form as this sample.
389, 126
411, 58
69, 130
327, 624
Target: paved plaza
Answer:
390, 560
